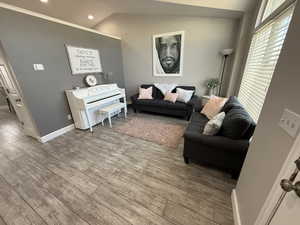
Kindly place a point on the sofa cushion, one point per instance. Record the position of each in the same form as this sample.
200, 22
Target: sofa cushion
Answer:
216, 143
196, 117
249, 133
236, 124
198, 122
232, 102
162, 103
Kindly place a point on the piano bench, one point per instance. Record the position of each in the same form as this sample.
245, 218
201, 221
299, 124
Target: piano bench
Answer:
109, 110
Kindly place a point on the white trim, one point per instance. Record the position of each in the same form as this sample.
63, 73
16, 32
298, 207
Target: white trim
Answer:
56, 133
235, 208
274, 194
52, 19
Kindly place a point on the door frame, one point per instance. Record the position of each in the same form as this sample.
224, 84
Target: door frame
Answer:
33, 128
286, 170
4, 82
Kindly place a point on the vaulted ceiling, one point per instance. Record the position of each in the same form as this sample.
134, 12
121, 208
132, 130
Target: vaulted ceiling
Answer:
77, 11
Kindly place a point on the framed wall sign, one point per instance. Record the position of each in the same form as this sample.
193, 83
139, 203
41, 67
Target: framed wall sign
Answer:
84, 60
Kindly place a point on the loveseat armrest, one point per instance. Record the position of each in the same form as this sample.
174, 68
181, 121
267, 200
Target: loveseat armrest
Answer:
218, 142
134, 98
195, 103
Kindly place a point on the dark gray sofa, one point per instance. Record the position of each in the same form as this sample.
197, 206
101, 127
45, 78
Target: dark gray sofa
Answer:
227, 150
158, 105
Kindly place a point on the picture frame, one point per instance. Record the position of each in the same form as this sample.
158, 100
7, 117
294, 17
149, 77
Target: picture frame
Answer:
168, 54
84, 60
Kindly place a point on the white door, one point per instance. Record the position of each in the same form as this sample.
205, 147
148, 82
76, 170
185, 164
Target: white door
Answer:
16, 100
282, 206
289, 210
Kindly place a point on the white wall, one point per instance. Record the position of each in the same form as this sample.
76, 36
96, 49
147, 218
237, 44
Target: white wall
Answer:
204, 38
271, 145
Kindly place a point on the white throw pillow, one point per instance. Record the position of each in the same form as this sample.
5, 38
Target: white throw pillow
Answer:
165, 88
214, 125
145, 93
184, 95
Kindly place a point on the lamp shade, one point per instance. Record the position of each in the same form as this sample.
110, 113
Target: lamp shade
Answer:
227, 51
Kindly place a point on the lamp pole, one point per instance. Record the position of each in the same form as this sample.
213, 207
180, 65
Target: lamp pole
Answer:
222, 74
225, 53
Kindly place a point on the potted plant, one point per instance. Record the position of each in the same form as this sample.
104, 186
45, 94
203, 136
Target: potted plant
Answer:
211, 85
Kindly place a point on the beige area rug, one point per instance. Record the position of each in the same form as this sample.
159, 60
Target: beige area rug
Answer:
157, 131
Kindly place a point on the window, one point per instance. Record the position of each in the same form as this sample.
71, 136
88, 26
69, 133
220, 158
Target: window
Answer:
264, 51
271, 6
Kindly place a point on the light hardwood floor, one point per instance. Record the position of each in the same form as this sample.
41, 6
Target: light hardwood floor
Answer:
105, 178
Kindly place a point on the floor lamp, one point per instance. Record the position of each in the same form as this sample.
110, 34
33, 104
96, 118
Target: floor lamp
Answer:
225, 53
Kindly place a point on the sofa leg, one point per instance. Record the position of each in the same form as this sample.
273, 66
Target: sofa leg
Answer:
186, 160
135, 111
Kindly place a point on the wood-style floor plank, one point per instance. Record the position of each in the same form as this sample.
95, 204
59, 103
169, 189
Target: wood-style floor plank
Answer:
105, 178
14, 210
2, 222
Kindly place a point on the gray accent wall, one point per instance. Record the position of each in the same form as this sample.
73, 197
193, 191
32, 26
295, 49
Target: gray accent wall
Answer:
204, 38
28, 40
271, 145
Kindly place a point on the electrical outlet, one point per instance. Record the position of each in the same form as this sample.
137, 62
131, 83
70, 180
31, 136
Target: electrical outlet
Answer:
69, 117
290, 122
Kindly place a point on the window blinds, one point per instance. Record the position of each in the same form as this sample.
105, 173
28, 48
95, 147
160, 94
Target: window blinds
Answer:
262, 58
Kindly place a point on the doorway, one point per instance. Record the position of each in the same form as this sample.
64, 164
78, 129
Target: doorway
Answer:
14, 114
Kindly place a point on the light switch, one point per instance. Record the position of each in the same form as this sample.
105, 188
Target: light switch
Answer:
41, 67
290, 122
38, 67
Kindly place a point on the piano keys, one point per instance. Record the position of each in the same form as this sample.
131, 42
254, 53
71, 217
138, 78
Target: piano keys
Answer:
85, 103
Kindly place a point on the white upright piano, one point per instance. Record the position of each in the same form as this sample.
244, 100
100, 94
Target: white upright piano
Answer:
85, 103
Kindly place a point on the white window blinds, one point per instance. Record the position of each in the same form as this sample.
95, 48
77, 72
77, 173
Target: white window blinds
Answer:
262, 58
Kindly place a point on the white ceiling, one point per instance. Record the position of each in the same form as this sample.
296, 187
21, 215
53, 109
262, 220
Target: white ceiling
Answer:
76, 11
239, 5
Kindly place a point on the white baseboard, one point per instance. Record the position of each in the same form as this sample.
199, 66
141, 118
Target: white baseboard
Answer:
56, 133
235, 207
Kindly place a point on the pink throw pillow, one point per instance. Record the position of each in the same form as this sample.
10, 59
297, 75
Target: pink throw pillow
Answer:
171, 97
213, 106
145, 93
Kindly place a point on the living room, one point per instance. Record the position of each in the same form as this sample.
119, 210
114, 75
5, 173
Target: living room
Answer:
149, 112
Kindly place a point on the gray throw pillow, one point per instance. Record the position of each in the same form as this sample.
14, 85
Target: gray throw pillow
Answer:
214, 125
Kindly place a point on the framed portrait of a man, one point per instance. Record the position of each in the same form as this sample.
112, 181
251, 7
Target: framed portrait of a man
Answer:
168, 54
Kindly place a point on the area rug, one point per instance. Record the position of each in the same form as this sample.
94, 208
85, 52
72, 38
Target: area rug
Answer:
157, 131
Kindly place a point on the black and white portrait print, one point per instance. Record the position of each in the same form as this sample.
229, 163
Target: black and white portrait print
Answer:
168, 54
